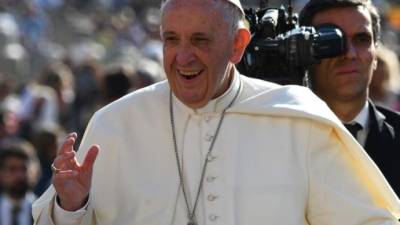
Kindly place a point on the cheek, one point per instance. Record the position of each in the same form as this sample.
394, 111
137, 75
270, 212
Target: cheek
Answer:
368, 56
370, 61
318, 70
326, 67
167, 56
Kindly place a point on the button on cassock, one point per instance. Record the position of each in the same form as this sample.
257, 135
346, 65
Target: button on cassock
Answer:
210, 178
211, 197
213, 217
208, 137
211, 158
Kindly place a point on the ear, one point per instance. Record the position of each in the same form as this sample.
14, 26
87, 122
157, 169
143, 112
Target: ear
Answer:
242, 39
375, 61
374, 64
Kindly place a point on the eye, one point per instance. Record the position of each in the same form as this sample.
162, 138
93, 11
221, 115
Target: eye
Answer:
362, 40
170, 40
200, 41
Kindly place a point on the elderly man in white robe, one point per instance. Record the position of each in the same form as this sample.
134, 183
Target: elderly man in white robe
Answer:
210, 146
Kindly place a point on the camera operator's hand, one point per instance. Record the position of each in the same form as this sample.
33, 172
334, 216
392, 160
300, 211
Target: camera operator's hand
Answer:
71, 180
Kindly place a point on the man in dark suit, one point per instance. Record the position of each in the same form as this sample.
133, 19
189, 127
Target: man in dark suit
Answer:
18, 167
342, 82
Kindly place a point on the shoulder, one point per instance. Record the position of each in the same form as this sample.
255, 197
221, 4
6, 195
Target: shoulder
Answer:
257, 84
253, 87
267, 94
294, 101
140, 105
391, 117
140, 100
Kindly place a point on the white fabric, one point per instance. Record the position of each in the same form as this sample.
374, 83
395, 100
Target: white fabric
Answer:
282, 157
237, 4
65, 217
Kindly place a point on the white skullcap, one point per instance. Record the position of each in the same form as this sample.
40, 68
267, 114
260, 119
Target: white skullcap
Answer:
237, 4
234, 2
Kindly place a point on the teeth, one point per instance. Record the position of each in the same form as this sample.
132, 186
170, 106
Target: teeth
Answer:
189, 73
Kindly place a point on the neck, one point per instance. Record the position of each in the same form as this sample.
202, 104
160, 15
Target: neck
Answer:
226, 82
347, 111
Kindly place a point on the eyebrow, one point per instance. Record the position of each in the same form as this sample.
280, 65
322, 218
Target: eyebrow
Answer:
167, 33
202, 35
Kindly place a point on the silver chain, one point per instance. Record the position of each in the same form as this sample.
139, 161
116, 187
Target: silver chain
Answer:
191, 213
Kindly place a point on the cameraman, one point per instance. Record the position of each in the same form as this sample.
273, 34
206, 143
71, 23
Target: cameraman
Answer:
342, 82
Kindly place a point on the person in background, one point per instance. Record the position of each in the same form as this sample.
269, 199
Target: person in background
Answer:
384, 88
115, 84
18, 172
343, 81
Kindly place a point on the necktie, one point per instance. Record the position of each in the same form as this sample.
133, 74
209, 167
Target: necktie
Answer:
14, 214
353, 128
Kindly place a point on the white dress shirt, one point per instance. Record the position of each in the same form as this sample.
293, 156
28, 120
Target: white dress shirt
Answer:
24, 215
362, 118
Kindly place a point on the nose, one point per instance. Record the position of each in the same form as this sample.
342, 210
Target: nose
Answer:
351, 51
184, 55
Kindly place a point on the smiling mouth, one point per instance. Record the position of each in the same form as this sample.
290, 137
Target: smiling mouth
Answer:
189, 75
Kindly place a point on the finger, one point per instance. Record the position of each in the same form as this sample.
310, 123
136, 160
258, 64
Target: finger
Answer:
68, 144
90, 158
65, 161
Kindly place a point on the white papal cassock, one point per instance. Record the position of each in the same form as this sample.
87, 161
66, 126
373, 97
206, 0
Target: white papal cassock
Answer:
281, 157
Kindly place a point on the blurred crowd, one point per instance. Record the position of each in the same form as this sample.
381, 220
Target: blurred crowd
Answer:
59, 62
62, 60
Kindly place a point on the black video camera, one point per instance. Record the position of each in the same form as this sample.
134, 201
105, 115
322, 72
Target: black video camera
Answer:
280, 51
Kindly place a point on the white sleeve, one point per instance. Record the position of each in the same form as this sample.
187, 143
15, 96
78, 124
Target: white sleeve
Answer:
65, 217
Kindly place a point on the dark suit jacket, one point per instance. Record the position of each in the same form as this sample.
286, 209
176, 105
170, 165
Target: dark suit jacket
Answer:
383, 143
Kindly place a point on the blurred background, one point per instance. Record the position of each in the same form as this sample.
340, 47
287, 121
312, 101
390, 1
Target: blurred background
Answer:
60, 60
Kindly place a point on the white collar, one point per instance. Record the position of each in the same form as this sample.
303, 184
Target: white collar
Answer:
362, 117
218, 104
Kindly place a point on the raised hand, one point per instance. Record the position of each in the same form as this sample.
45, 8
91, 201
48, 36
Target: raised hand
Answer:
71, 180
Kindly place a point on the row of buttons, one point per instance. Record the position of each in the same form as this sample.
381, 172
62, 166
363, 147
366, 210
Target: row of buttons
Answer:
211, 197
210, 179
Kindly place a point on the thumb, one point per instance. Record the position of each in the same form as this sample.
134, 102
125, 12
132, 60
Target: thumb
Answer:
90, 158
